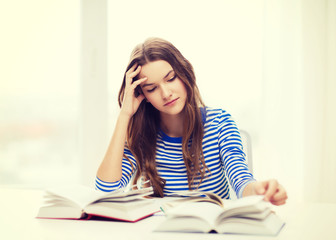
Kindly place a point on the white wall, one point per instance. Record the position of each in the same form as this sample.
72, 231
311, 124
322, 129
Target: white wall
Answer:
319, 61
279, 152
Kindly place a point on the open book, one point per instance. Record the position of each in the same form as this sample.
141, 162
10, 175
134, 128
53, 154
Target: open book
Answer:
248, 215
176, 198
79, 202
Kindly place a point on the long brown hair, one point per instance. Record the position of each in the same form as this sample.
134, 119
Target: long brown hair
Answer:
145, 123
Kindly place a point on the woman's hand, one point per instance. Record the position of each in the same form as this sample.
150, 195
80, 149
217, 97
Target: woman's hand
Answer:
271, 189
130, 102
110, 170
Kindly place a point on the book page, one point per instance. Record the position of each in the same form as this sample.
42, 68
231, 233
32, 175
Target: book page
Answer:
207, 211
121, 196
78, 194
176, 198
209, 196
83, 196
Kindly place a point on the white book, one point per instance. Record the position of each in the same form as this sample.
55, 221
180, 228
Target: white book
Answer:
248, 215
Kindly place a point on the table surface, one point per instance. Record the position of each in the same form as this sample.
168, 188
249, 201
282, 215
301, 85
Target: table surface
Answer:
19, 207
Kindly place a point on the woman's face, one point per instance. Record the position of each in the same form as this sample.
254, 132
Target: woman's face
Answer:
163, 89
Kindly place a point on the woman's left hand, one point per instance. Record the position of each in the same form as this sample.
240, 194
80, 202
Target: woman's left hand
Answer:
271, 189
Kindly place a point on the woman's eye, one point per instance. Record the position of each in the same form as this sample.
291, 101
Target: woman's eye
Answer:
172, 79
151, 90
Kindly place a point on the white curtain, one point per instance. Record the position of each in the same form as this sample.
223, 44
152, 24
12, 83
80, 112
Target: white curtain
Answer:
299, 103
319, 63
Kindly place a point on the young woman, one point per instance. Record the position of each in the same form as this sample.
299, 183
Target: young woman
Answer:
165, 134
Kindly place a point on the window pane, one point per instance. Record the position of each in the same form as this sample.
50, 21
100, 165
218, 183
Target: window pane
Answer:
39, 92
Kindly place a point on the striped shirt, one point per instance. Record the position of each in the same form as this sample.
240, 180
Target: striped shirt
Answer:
223, 155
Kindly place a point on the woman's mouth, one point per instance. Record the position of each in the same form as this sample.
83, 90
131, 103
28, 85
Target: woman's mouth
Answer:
171, 102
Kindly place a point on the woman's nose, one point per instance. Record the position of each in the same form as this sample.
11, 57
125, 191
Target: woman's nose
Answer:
166, 92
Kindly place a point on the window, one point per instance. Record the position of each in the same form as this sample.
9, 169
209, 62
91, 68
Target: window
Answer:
39, 92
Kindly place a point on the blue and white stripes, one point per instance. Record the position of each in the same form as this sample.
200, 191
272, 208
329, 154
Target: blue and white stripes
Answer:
223, 155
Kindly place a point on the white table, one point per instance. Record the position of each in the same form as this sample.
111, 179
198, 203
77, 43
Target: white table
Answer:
18, 208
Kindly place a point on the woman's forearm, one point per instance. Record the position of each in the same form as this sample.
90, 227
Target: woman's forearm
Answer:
249, 189
110, 168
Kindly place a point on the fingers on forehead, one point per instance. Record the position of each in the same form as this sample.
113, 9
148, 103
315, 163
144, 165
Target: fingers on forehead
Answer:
134, 67
132, 72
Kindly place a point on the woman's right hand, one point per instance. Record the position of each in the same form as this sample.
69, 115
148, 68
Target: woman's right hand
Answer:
130, 102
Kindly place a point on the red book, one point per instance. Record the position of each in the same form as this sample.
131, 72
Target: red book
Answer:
79, 202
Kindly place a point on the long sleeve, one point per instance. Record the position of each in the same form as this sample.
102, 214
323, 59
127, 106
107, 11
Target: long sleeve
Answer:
233, 157
127, 172
223, 155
